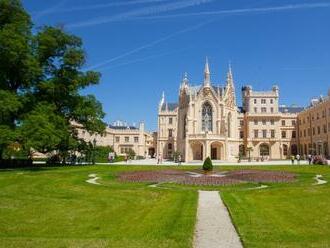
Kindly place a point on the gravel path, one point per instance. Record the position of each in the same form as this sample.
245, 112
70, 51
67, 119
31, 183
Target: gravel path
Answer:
214, 228
319, 180
93, 179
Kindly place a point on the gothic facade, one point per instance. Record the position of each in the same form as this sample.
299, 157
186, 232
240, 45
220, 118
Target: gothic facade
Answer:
206, 122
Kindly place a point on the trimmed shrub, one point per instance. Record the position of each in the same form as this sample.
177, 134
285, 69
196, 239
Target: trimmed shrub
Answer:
207, 165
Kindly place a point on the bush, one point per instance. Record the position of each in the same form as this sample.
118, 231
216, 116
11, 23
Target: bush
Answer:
102, 153
207, 165
319, 160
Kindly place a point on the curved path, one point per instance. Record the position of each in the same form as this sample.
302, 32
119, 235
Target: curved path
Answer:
214, 228
319, 180
93, 179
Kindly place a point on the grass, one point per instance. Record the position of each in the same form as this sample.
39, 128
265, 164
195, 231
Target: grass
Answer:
284, 215
55, 207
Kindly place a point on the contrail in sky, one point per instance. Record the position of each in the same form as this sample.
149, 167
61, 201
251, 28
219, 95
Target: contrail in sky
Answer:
148, 45
152, 10
49, 10
243, 11
105, 5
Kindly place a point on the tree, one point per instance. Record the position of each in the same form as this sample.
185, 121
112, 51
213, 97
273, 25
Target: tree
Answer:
207, 165
18, 68
41, 79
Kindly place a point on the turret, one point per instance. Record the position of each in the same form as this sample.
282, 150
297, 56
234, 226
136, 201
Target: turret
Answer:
207, 80
161, 102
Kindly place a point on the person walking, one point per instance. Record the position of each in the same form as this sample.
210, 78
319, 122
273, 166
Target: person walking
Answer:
298, 159
309, 157
292, 159
179, 160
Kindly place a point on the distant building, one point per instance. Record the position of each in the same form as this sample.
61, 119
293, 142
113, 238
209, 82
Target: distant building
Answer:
123, 137
314, 127
206, 122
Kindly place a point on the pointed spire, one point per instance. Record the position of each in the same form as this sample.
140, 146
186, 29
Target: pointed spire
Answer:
207, 81
162, 101
229, 74
185, 78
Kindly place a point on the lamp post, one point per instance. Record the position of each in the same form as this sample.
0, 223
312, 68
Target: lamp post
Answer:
94, 146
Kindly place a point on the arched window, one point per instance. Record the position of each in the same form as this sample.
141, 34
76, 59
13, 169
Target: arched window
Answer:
207, 117
229, 125
264, 150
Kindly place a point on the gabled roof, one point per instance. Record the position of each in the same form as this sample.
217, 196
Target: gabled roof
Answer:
171, 106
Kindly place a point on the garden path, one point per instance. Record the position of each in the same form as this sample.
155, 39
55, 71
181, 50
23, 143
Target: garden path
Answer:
214, 228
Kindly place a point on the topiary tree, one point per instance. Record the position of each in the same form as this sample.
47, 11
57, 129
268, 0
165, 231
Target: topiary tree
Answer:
207, 165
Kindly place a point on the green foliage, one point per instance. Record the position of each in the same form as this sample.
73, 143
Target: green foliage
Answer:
40, 84
207, 165
131, 154
102, 153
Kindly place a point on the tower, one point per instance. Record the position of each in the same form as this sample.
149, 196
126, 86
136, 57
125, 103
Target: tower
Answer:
207, 80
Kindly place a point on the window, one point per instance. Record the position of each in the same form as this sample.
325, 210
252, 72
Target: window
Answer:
283, 122
255, 110
207, 117
294, 134
272, 110
170, 133
126, 139
264, 150
271, 101
304, 133
241, 134
255, 122
264, 134
318, 130
264, 122
136, 139
283, 134
169, 146
272, 133
263, 110
170, 120
263, 101
293, 122
285, 150
255, 101
256, 133
271, 122
117, 139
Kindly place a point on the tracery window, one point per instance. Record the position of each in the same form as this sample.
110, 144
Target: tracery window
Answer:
207, 117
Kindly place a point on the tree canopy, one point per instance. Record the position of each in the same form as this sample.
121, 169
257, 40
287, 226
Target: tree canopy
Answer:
41, 79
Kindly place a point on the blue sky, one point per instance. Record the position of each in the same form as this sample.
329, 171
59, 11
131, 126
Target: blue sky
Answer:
143, 47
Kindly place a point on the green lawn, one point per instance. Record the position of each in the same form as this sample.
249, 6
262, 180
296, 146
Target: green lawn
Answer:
286, 215
55, 207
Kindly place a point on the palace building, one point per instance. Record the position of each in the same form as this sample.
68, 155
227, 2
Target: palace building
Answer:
206, 122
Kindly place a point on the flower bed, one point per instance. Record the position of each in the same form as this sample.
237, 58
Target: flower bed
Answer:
214, 178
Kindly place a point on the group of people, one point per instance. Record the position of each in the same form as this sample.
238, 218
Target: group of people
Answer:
310, 158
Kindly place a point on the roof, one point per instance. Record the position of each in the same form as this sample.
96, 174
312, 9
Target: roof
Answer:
291, 110
171, 106
122, 127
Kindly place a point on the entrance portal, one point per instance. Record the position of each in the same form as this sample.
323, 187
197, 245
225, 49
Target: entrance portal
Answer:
197, 151
216, 151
